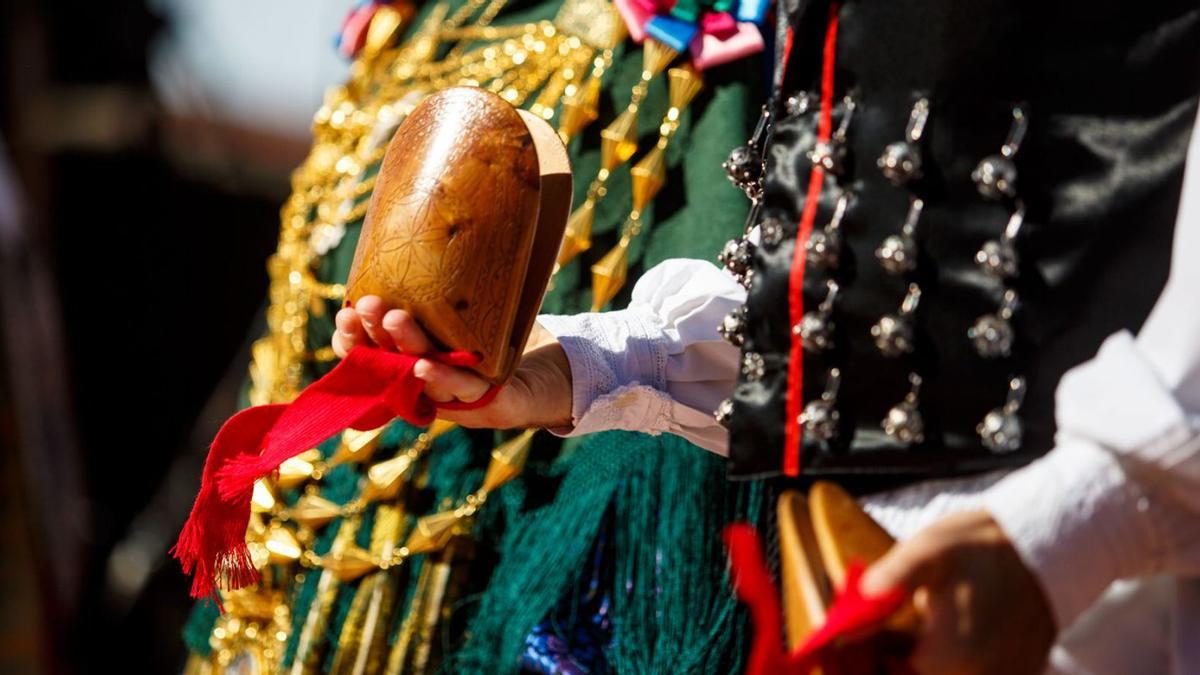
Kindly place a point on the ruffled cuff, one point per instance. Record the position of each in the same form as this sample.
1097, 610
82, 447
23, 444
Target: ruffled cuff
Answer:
611, 354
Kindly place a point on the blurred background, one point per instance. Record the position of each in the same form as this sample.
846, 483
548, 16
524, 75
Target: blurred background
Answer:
145, 148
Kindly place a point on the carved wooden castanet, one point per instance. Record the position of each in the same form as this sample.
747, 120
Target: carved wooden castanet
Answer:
806, 590
464, 223
819, 537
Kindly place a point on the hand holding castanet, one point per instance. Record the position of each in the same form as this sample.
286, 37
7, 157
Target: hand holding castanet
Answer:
467, 216
464, 223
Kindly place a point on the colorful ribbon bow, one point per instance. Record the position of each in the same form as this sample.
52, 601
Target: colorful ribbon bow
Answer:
716, 33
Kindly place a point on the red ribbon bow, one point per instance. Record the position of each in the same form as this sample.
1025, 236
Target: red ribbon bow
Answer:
368, 389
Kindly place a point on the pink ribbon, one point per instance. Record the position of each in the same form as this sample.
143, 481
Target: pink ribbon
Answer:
721, 38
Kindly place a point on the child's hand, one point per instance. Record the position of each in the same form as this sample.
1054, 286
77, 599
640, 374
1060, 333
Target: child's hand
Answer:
539, 393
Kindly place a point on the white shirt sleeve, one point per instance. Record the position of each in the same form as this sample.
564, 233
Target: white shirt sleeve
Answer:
1120, 494
660, 365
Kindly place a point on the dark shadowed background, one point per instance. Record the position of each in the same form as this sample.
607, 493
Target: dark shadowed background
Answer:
145, 147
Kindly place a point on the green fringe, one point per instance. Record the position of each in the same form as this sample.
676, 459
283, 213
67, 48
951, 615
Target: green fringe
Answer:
673, 607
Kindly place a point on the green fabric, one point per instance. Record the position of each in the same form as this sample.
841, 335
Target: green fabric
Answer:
199, 625
669, 497
687, 10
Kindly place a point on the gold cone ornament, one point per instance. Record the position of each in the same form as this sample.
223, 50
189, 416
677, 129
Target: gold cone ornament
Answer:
609, 274
508, 460
297, 470
578, 236
357, 446
263, 499
579, 109
432, 532
618, 141
385, 479
683, 83
352, 563
648, 176
314, 511
281, 545
656, 56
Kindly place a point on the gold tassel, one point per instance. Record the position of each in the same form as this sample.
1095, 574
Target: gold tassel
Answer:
311, 641
364, 634
414, 649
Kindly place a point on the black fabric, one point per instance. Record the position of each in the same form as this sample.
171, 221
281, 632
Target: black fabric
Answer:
1110, 89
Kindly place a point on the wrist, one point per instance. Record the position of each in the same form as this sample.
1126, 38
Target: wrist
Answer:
1077, 522
545, 372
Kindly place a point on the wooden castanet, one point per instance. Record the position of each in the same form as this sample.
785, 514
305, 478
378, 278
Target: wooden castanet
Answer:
806, 591
819, 537
464, 222
845, 533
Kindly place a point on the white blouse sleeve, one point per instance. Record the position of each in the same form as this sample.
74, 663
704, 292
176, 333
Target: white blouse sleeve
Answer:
1120, 494
659, 366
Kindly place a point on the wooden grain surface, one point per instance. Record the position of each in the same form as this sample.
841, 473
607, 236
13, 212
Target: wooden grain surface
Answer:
452, 222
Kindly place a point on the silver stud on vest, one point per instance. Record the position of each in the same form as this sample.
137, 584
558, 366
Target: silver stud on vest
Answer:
996, 175
898, 253
901, 161
1001, 428
904, 422
797, 104
733, 327
824, 246
830, 155
771, 231
754, 366
893, 333
744, 167
992, 334
998, 257
816, 327
820, 416
736, 257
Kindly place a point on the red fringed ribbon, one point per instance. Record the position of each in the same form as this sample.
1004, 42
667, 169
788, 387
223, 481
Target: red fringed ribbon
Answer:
369, 388
851, 612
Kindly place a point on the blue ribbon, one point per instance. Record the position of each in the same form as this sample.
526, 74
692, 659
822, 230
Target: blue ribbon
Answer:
754, 11
672, 32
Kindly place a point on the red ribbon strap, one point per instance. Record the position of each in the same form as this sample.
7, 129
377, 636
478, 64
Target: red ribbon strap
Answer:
850, 614
368, 389
793, 434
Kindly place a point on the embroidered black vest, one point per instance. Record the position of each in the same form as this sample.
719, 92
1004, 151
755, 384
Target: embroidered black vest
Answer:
1008, 178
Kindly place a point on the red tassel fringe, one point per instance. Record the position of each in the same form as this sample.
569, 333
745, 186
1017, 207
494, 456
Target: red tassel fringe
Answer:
369, 388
